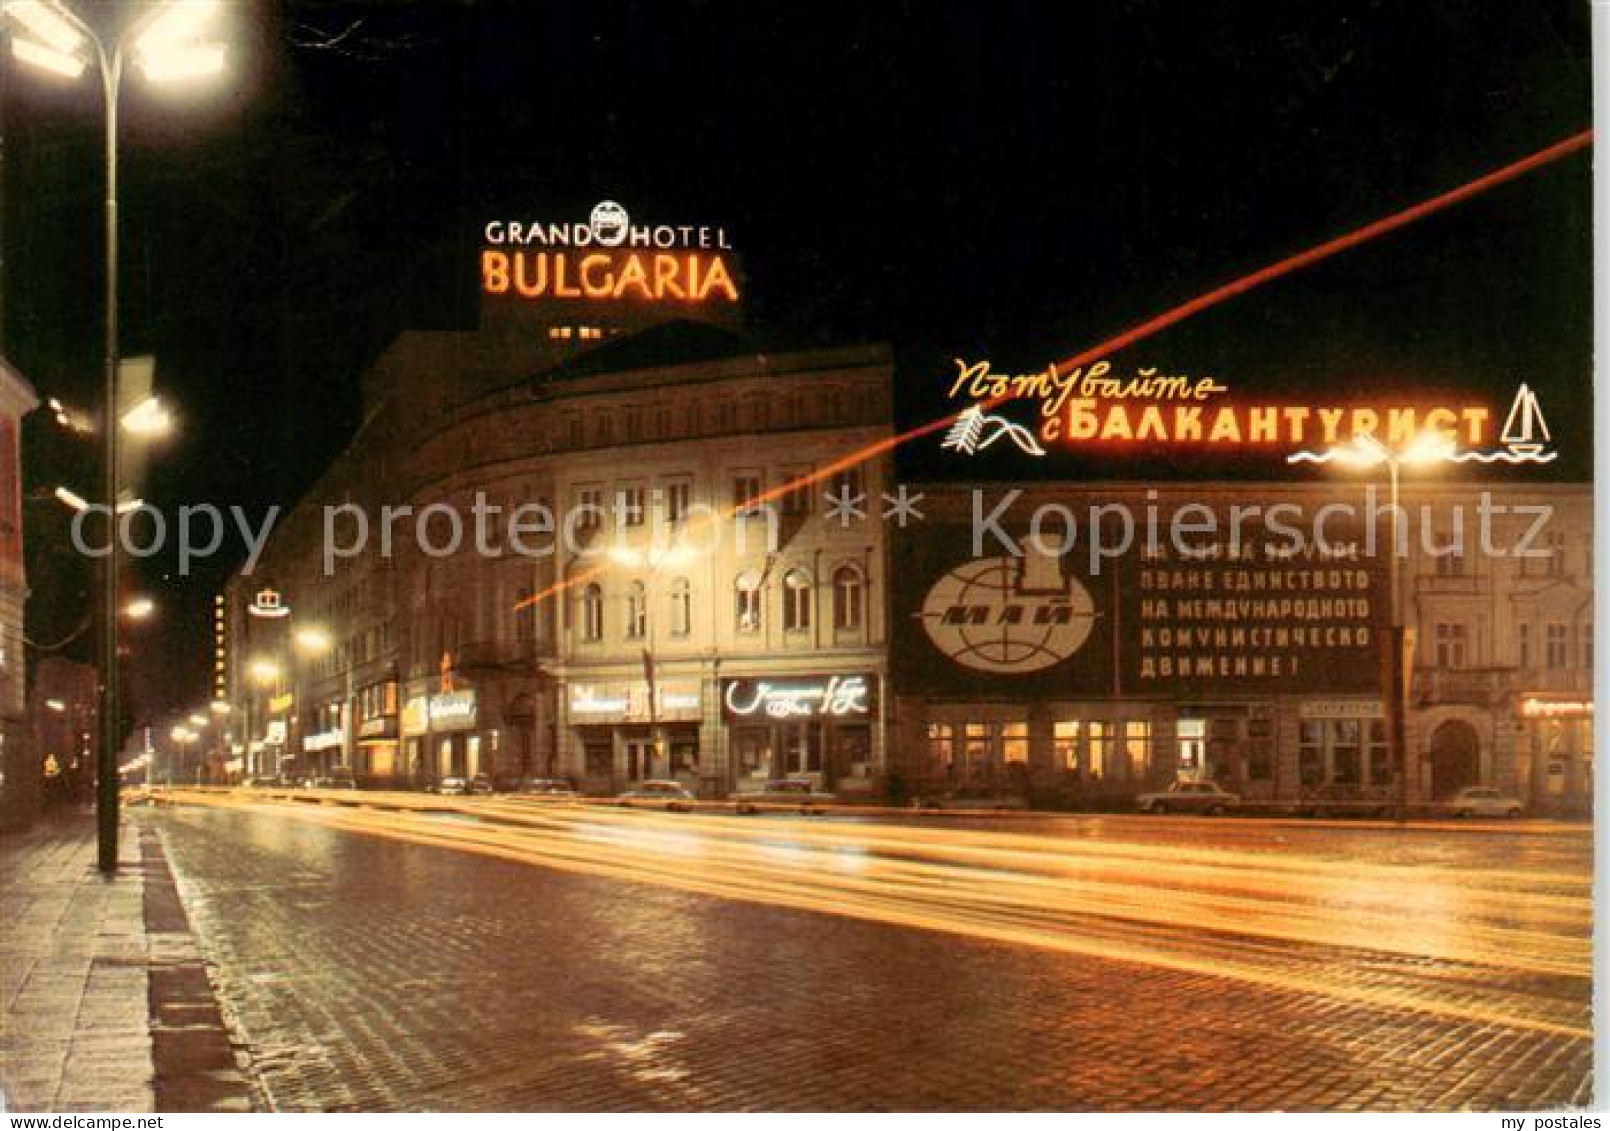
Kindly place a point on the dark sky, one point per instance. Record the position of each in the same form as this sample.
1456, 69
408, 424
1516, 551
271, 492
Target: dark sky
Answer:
1006, 180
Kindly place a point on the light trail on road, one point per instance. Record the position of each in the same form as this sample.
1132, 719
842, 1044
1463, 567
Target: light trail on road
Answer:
1496, 945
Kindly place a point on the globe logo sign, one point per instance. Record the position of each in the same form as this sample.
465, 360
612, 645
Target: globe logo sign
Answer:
608, 223
982, 615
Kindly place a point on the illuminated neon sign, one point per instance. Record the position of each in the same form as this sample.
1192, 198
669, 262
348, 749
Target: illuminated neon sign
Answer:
807, 697
1094, 404
607, 258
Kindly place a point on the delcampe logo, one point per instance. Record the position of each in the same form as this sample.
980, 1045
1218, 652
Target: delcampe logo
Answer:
1009, 615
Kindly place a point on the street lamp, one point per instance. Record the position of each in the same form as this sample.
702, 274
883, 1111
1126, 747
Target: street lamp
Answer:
1364, 452
168, 46
139, 608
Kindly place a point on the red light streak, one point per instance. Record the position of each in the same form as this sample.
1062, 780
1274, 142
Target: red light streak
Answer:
1163, 321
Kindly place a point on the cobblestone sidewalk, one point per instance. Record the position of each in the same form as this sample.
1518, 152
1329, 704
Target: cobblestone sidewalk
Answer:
106, 1003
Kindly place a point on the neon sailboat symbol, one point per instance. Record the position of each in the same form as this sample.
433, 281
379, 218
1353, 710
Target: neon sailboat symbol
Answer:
1525, 424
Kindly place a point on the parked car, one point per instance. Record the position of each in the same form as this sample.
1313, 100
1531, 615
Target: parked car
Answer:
545, 787
339, 777
667, 795
782, 792
1482, 801
1189, 797
480, 783
452, 787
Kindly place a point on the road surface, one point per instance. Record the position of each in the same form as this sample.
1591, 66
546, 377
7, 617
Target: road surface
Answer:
493, 953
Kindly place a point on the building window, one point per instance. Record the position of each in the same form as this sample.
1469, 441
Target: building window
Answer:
525, 615
1099, 734
849, 483
942, 748
796, 601
1065, 744
681, 607
849, 598
1450, 641
1523, 646
636, 611
677, 498
603, 428
976, 744
746, 488
592, 613
747, 594
1556, 651
1587, 644
1450, 563
1556, 553
1015, 743
629, 508
589, 508
797, 501
1137, 751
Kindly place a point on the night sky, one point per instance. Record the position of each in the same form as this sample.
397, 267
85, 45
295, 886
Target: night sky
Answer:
1014, 181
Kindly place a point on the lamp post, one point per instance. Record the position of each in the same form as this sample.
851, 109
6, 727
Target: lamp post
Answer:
166, 44
1365, 451
655, 558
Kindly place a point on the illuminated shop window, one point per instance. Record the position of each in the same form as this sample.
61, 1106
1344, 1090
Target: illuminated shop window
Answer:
1137, 748
681, 607
849, 598
636, 611
746, 592
1099, 735
1015, 743
1192, 734
796, 601
1065, 743
976, 749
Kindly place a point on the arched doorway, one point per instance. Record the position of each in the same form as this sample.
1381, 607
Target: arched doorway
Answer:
521, 717
1455, 757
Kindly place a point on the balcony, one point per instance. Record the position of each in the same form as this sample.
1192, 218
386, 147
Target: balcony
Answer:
489, 657
1481, 687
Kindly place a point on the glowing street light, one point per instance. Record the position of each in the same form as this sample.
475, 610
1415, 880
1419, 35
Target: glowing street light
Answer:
263, 671
150, 418
219, 707
199, 720
312, 641
139, 608
168, 45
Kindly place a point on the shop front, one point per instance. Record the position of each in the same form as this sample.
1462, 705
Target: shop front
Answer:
1074, 681
814, 726
623, 741
375, 759
1554, 751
